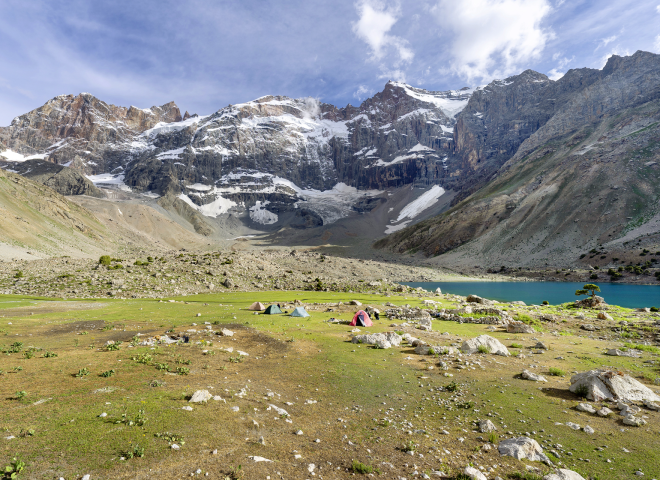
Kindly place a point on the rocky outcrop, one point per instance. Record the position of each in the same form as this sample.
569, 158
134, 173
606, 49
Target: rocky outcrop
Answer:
63, 180
569, 184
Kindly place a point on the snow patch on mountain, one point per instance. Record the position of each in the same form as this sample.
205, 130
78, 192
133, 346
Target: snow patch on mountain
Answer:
17, 157
217, 207
451, 102
414, 208
259, 214
108, 180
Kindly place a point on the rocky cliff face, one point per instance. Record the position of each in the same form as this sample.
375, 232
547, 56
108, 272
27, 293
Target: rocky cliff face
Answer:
585, 178
277, 161
271, 157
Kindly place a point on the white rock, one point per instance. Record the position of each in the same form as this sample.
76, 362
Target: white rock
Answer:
605, 316
587, 429
474, 474
175, 446
519, 327
586, 407
226, 333
486, 426
103, 415
311, 467
633, 421
563, 474
299, 432
201, 396
523, 448
86, 477
527, 375
187, 407
495, 346
572, 425
604, 412
260, 459
280, 411
235, 409
604, 384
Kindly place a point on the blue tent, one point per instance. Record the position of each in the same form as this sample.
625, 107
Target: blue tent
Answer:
299, 312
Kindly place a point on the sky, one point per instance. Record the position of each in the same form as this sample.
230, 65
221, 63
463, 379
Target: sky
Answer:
204, 54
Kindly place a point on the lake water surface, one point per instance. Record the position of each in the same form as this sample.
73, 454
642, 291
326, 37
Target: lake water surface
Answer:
630, 296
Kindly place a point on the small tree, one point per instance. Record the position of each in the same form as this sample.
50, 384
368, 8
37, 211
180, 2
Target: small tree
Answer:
588, 289
105, 260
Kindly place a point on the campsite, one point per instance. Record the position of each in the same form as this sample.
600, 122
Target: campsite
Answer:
112, 381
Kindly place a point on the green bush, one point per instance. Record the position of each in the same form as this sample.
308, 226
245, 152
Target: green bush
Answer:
545, 302
105, 260
556, 372
582, 391
359, 467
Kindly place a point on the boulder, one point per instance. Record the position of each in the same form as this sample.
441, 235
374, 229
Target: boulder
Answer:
486, 426
519, 302
438, 291
383, 344
474, 474
426, 324
201, 396
541, 346
605, 316
586, 407
604, 412
226, 333
633, 421
477, 299
563, 474
615, 352
394, 338
588, 327
355, 302
527, 375
591, 302
519, 327
494, 346
602, 384
523, 448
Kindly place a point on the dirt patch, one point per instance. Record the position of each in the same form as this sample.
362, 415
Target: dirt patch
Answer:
76, 327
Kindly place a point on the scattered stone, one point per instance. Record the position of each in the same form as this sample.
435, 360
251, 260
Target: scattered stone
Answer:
563, 474
604, 412
486, 426
175, 446
187, 407
355, 302
527, 375
572, 425
605, 316
541, 346
633, 421
493, 345
200, 396
259, 459
474, 474
523, 448
587, 429
588, 327
615, 352
586, 407
226, 333
519, 327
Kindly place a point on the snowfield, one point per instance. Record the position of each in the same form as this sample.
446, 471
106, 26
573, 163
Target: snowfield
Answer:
414, 208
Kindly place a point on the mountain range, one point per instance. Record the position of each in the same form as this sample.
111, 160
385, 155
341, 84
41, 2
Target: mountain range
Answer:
523, 171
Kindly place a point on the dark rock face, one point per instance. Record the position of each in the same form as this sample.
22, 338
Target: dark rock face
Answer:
64, 181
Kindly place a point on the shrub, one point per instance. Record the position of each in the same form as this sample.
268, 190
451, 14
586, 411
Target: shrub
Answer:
105, 260
182, 371
545, 302
82, 372
19, 274
12, 470
113, 346
20, 394
409, 446
582, 391
451, 387
107, 373
137, 451
50, 355
492, 437
556, 372
359, 467
654, 309
144, 358
516, 345
593, 276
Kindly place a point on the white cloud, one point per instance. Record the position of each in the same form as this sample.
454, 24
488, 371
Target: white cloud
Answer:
555, 74
656, 45
605, 41
396, 75
376, 20
657, 9
362, 92
493, 38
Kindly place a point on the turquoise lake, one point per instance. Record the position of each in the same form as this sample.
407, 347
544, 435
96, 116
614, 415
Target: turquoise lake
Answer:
630, 296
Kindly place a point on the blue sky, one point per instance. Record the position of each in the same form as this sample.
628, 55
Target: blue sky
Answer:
206, 54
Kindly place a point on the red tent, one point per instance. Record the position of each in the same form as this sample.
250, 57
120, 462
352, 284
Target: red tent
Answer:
361, 319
